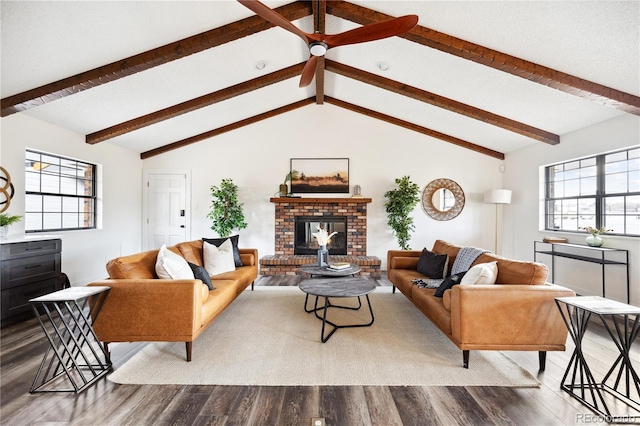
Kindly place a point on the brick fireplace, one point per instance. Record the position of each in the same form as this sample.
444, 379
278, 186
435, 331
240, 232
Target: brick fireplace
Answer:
287, 209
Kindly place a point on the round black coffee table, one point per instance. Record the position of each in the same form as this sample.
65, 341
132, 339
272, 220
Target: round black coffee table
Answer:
336, 287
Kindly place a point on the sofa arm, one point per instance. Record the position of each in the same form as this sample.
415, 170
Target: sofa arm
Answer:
248, 256
403, 259
150, 310
517, 316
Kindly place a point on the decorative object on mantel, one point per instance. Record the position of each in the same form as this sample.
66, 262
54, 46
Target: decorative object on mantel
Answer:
497, 196
399, 205
5, 221
357, 191
320, 175
284, 189
6, 191
323, 239
594, 239
226, 212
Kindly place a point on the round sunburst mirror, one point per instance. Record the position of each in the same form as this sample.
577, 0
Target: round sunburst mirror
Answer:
443, 199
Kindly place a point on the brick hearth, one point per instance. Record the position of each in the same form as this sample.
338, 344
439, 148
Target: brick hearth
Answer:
354, 209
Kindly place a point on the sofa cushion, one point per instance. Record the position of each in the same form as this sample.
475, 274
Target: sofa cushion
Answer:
444, 247
134, 266
449, 282
201, 274
218, 259
170, 265
234, 240
516, 271
191, 251
433, 265
482, 273
205, 293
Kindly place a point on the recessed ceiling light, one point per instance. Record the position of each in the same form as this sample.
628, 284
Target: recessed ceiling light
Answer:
260, 65
383, 66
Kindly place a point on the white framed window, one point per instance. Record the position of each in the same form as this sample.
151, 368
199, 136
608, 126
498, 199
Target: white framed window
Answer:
599, 191
60, 193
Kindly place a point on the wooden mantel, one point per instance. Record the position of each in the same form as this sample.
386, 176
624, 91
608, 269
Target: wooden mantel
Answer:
307, 200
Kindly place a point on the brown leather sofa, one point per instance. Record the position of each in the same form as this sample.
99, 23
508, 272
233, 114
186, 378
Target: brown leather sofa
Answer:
517, 313
143, 308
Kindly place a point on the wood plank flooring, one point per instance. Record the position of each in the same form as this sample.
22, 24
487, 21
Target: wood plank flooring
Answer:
22, 346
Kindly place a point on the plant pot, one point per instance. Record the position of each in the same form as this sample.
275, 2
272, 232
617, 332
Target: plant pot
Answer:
594, 241
4, 230
284, 189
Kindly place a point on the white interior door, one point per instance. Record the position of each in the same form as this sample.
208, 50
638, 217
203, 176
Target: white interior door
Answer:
167, 214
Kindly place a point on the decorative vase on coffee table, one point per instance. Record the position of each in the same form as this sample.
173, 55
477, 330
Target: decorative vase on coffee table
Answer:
594, 240
323, 256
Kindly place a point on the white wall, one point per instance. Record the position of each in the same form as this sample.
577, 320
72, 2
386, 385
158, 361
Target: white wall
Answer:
84, 253
523, 217
257, 158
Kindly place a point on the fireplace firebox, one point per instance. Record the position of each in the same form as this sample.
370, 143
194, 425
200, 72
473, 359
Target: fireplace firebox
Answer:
306, 226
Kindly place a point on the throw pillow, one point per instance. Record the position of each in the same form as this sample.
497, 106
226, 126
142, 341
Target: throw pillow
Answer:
449, 282
433, 265
218, 260
171, 266
234, 240
201, 274
482, 273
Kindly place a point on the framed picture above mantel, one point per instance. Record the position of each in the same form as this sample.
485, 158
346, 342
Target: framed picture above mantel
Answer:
320, 175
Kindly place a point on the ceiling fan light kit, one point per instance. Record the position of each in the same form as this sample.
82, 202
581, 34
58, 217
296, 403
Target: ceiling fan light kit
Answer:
319, 43
318, 48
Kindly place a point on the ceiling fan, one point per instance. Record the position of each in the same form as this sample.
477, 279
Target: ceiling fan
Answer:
319, 43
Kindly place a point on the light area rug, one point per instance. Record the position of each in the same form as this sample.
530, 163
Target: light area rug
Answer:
266, 338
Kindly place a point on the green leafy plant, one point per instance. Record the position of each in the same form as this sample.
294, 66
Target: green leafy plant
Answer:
6, 220
293, 174
399, 205
226, 212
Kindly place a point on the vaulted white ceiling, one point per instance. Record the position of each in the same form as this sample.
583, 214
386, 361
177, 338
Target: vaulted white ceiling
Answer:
597, 41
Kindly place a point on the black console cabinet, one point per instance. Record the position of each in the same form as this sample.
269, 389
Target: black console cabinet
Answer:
28, 269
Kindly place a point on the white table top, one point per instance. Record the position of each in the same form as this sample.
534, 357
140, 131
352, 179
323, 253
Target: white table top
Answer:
71, 294
600, 305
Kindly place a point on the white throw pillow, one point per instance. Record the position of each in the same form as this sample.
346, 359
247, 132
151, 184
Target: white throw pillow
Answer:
171, 266
218, 259
483, 273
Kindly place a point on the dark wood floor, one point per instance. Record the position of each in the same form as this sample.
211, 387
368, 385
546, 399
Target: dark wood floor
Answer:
22, 346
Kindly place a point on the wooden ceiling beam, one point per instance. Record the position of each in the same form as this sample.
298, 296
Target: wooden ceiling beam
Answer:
225, 129
442, 102
319, 15
495, 59
194, 104
146, 60
416, 128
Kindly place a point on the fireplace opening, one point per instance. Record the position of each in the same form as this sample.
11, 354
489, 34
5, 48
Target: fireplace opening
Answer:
306, 226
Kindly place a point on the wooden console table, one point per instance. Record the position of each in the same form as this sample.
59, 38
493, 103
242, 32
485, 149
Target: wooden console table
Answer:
589, 254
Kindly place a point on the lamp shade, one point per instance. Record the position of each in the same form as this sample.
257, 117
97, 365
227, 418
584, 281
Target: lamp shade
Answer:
497, 196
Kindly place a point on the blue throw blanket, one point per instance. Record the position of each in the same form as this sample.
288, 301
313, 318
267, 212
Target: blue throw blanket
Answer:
465, 258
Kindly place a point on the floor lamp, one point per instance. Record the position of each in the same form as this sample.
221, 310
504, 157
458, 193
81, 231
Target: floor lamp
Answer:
497, 196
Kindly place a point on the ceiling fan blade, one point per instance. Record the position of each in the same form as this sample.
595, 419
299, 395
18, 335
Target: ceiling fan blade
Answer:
274, 17
372, 32
309, 71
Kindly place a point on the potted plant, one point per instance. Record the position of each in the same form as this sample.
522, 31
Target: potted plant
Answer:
284, 189
5, 221
226, 212
400, 203
594, 239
